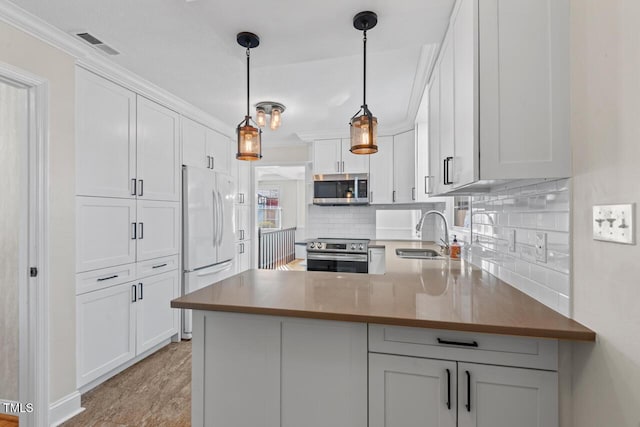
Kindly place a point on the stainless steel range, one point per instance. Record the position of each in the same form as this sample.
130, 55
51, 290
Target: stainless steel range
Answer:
338, 255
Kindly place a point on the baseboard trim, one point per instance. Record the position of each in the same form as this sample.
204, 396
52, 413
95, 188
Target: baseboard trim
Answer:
65, 408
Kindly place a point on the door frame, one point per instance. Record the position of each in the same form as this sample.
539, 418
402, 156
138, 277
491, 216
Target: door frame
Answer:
34, 301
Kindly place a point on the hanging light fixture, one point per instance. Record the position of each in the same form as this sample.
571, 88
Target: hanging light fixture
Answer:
249, 136
273, 109
363, 125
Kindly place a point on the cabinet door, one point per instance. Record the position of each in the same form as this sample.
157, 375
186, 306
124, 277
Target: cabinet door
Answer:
218, 147
377, 261
434, 182
411, 392
156, 320
158, 152
465, 95
243, 256
158, 229
353, 163
243, 223
105, 330
447, 115
106, 147
327, 156
105, 232
324, 374
244, 196
422, 148
381, 174
194, 144
497, 396
404, 167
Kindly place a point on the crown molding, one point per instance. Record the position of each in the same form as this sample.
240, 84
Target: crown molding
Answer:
404, 126
421, 79
95, 61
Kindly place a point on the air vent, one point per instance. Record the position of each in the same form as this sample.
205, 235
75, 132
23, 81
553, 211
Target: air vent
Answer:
97, 43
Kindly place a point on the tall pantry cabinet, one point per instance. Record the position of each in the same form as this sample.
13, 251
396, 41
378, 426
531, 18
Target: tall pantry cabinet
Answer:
128, 225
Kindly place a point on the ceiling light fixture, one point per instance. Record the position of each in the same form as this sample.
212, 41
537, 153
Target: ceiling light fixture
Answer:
363, 125
249, 136
274, 109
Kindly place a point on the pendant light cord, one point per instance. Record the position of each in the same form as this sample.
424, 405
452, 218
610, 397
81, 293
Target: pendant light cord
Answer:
248, 55
364, 80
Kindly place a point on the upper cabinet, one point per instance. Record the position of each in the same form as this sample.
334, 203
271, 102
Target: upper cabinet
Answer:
392, 177
498, 95
204, 147
127, 146
381, 175
333, 156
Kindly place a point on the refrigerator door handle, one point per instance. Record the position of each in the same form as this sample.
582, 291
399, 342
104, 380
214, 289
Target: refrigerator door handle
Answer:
221, 217
214, 218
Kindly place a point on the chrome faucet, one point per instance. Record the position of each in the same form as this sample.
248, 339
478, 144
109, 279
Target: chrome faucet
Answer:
445, 245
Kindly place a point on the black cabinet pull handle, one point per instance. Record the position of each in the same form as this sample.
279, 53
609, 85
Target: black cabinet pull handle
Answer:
141, 230
393, 196
464, 344
468, 405
446, 171
160, 265
141, 185
133, 231
133, 186
134, 298
448, 389
213, 162
102, 279
141, 288
413, 193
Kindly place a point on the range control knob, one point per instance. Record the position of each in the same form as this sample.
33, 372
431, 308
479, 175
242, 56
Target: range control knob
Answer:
361, 246
353, 246
312, 245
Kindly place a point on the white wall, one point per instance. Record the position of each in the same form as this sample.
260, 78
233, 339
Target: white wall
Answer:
605, 137
28, 53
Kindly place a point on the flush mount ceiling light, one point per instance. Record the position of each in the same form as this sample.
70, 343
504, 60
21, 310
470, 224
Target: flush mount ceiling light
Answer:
249, 136
363, 125
274, 109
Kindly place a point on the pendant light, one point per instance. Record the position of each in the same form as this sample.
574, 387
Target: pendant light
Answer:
249, 136
363, 125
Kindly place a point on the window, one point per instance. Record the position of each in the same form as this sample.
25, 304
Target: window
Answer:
269, 209
461, 212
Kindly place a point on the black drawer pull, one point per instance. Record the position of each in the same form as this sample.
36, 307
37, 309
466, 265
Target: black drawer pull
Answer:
468, 405
101, 279
448, 389
160, 265
464, 344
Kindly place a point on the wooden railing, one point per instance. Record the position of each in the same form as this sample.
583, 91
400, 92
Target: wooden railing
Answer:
276, 248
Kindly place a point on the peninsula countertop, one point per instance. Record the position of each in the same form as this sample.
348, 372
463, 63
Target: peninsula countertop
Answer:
438, 294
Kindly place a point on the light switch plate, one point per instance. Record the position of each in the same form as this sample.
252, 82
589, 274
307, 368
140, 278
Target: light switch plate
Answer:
614, 223
541, 247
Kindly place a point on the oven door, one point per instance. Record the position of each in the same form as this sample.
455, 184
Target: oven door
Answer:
337, 262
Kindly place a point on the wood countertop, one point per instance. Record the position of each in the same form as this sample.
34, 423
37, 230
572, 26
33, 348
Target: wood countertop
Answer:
438, 294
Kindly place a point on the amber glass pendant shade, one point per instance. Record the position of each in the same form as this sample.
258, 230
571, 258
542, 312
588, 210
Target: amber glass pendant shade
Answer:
249, 141
364, 135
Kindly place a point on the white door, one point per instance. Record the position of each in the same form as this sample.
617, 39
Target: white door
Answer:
411, 392
225, 234
106, 232
327, 156
447, 115
243, 256
106, 132
158, 152
422, 148
158, 229
243, 223
194, 144
105, 330
156, 320
497, 396
243, 182
324, 365
434, 180
218, 147
198, 225
381, 172
404, 167
353, 163
377, 261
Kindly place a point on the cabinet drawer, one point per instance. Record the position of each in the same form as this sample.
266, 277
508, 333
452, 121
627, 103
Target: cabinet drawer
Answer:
104, 278
156, 266
465, 346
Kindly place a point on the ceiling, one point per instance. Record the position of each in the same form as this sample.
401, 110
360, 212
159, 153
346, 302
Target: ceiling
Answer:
309, 59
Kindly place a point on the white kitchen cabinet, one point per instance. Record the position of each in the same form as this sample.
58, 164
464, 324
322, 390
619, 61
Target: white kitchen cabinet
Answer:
106, 135
203, 147
332, 156
381, 172
243, 256
158, 152
156, 320
118, 323
242, 177
243, 228
404, 172
433, 180
409, 391
498, 396
377, 263
218, 146
503, 111
158, 229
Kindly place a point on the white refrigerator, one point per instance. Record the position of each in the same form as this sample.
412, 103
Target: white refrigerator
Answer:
208, 239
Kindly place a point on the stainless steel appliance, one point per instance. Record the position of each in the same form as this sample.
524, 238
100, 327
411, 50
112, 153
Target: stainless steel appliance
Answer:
341, 189
338, 255
208, 241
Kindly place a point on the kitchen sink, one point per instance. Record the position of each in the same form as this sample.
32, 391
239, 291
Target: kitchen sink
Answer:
418, 253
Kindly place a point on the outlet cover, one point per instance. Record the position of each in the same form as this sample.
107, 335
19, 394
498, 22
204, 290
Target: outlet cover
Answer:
541, 247
614, 223
512, 240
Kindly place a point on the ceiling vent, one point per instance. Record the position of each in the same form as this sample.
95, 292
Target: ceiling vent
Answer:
97, 43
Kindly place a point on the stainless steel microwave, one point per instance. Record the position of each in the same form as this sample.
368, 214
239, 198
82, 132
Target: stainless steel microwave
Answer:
341, 189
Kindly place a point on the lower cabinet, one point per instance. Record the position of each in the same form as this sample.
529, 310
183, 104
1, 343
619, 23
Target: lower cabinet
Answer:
118, 323
377, 263
243, 256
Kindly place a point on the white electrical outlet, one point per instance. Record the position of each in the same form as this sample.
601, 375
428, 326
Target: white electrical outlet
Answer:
512, 240
614, 223
541, 247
